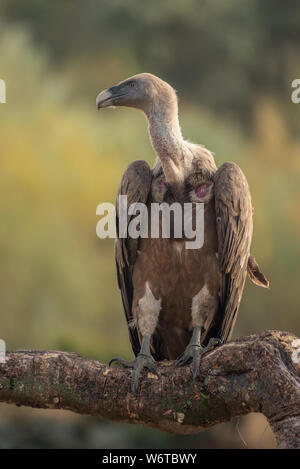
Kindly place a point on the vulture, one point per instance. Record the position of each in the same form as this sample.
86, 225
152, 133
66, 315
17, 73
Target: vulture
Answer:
179, 303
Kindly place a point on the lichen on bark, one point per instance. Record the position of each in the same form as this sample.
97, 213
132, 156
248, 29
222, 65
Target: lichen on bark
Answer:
257, 373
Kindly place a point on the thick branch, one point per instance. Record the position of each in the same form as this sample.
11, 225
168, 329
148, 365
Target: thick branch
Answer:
258, 373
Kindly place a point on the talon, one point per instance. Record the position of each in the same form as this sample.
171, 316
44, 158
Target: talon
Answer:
152, 368
120, 361
196, 364
113, 360
194, 352
142, 361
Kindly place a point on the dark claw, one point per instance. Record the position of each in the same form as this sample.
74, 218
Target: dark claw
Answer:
142, 361
152, 368
192, 352
196, 364
195, 352
121, 362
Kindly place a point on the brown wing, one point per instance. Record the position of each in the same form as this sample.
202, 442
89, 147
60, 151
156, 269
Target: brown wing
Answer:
234, 229
135, 184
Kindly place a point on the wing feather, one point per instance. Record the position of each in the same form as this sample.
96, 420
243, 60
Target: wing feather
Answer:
135, 184
234, 229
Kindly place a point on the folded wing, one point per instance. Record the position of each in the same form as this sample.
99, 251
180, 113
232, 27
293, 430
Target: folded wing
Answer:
135, 184
234, 229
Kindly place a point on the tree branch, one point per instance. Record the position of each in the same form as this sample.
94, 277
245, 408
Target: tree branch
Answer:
258, 373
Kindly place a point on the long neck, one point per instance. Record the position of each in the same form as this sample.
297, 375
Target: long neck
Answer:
168, 143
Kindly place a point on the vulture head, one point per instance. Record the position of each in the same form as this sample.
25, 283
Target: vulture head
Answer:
143, 91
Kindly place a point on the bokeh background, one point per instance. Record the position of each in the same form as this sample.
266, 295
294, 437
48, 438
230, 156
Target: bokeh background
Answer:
232, 62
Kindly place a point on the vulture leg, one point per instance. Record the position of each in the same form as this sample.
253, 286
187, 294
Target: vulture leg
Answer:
194, 350
143, 360
146, 311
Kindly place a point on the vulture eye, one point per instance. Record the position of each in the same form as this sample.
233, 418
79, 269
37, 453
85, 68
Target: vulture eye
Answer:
131, 84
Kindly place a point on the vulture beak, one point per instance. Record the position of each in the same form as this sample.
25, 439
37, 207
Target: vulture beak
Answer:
107, 97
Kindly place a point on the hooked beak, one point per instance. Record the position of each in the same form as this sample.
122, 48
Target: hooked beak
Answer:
104, 99
107, 97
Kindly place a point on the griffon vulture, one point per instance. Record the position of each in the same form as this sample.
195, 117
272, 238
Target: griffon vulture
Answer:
178, 302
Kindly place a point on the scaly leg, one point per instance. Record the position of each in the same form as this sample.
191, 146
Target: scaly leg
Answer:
147, 312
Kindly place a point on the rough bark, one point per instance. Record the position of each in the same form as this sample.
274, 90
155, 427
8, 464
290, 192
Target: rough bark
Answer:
258, 373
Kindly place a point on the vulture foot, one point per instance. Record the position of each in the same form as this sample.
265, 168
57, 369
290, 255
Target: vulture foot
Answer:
142, 361
194, 352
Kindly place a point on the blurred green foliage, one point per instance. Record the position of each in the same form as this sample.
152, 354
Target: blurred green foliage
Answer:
219, 54
232, 63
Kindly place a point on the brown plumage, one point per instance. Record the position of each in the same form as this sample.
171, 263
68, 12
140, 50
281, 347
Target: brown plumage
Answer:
177, 299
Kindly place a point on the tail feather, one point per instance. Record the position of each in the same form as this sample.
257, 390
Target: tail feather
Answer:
256, 274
